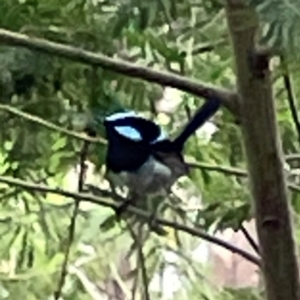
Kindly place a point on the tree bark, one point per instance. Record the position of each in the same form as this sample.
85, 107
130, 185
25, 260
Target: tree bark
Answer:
264, 155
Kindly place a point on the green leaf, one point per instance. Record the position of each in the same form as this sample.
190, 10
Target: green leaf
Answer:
283, 19
59, 144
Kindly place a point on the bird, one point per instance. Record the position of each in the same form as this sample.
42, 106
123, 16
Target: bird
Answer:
141, 156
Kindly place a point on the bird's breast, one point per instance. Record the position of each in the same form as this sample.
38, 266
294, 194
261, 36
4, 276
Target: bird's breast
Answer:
154, 176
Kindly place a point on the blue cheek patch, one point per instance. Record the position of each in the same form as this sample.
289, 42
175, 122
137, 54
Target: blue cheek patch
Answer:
140, 128
121, 115
129, 132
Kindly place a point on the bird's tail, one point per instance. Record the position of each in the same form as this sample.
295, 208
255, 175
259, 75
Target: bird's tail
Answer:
205, 112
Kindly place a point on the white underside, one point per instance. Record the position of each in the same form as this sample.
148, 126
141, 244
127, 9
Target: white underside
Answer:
151, 177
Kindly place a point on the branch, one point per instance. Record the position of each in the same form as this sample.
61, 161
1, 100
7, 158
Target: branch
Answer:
221, 169
250, 239
240, 172
141, 260
72, 226
209, 47
290, 95
35, 119
194, 87
100, 201
292, 157
263, 150
197, 165
49, 125
80, 187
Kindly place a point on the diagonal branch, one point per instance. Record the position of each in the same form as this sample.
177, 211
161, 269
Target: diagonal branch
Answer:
197, 165
250, 239
195, 87
49, 125
72, 226
100, 201
35, 119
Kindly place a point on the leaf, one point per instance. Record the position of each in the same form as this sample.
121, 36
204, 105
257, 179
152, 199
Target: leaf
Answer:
171, 54
143, 18
108, 223
59, 144
212, 207
55, 262
283, 18
54, 163
123, 20
234, 217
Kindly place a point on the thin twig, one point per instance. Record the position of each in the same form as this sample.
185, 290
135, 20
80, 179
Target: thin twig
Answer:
240, 172
141, 258
145, 278
250, 239
50, 125
209, 47
292, 157
72, 225
222, 169
143, 214
290, 95
100, 140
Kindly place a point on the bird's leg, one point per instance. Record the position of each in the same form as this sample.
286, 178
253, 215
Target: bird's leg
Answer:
136, 190
133, 197
118, 210
153, 226
113, 188
122, 207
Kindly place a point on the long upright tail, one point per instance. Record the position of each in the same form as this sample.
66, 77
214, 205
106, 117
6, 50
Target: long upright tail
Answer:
209, 108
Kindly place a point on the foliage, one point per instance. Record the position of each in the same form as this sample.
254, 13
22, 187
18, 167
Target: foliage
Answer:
281, 20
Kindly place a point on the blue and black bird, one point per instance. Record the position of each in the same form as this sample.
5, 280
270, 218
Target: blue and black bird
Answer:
142, 157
